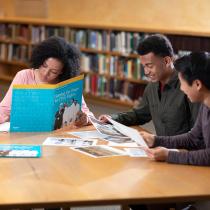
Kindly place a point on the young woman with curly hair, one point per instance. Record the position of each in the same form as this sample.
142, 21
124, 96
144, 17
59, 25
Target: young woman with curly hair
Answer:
53, 60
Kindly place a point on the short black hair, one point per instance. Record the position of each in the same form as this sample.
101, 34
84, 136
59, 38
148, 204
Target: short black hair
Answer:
194, 66
157, 44
57, 47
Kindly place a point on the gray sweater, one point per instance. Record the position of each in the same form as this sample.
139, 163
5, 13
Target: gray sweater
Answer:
196, 141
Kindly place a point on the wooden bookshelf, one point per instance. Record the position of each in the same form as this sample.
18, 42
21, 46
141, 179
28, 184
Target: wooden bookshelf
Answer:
113, 72
14, 63
104, 100
6, 78
127, 55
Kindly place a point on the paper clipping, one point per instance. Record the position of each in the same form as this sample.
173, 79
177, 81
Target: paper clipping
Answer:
71, 142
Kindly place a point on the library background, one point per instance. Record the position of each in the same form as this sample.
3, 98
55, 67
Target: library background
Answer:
107, 33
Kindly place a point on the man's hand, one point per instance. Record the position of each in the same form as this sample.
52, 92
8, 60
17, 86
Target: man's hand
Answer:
148, 138
81, 119
158, 153
103, 118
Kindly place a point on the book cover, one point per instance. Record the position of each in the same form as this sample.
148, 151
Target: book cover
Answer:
45, 107
15, 150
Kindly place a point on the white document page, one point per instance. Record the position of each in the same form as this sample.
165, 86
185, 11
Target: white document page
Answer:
88, 134
114, 144
135, 152
4, 127
130, 132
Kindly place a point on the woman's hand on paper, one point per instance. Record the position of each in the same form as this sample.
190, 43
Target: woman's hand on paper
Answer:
148, 138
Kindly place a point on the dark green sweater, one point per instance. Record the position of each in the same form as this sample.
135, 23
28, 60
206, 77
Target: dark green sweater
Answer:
172, 113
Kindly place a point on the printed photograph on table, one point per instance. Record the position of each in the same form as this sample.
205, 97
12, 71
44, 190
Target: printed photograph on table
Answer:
71, 142
119, 140
100, 151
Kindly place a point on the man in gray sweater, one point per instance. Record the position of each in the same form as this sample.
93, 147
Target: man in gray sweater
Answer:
193, 148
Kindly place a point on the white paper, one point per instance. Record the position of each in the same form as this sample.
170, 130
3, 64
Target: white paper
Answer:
100, 151
88, 134
130, 132
71, 142
113, 144
4, 127
135, 152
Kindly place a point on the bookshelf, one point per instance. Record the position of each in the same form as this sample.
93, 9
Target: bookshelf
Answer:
113, 72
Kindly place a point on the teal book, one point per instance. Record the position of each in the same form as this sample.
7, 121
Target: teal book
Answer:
45, 107
18, 150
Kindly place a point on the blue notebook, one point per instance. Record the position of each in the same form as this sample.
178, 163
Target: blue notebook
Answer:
18, 150
45, 107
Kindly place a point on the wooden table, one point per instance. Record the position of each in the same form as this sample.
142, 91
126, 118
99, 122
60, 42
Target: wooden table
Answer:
63, 177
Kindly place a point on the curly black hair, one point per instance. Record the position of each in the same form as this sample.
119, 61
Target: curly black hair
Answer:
157, 44
57, 47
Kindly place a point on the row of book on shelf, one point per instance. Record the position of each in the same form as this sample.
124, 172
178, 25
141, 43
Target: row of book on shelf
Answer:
112, 65
14, 52
115, 66
107, 40
113, 88
91, 61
